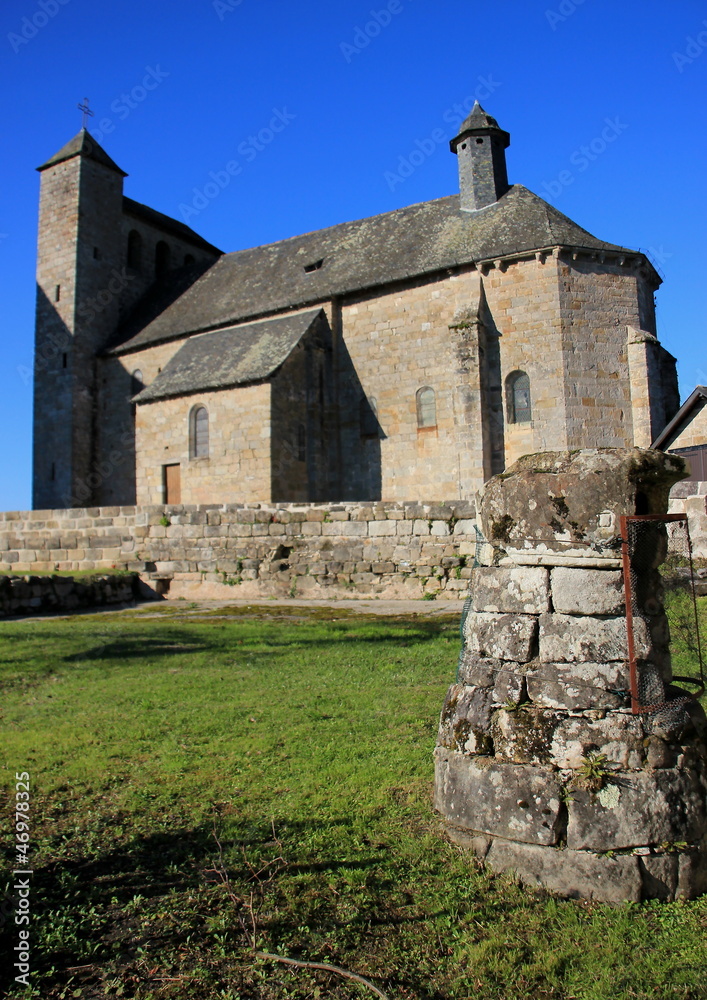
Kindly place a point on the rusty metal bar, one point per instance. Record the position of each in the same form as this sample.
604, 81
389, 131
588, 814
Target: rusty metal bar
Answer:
628, 590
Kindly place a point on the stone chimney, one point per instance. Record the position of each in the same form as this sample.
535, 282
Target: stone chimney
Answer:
480, 148
541, 765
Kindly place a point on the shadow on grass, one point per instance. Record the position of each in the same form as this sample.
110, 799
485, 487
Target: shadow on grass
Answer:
184, 642
158, 895
125, 649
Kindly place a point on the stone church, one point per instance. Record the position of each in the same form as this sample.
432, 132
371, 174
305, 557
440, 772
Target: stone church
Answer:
411, 354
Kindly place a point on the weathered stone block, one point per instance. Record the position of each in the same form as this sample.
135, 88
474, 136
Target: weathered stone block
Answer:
501, 637
541, 736
659, 874
587, 591
465, 720
692, 872
477, 670
639, 809
503, 800
353, 528
379, 528
573, 638
579, 685
515, 589
575, 874
550, 501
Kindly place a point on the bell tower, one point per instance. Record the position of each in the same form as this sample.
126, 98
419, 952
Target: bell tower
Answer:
79, 253
480, 148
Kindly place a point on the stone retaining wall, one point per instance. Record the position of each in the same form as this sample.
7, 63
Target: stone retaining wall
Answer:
32, 594
396, 550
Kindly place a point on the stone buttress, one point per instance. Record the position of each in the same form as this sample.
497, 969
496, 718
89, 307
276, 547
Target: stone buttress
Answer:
541, 766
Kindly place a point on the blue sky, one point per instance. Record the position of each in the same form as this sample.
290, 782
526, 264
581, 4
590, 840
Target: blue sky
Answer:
605, 104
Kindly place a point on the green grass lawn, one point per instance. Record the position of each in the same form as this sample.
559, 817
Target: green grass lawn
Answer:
205, 785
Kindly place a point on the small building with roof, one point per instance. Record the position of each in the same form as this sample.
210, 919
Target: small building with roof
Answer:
411, 354
686, 435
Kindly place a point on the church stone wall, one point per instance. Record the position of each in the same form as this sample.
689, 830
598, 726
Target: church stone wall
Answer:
238, 463
597, 304
523, 299
113, 480
399, 341
396, 550
139, 279
694, 434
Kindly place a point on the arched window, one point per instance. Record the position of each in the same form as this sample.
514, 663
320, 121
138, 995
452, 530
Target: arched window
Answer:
518, 398
134, 250
189, 258
161, 259
136, 382
426, 407
199, 432
368, 416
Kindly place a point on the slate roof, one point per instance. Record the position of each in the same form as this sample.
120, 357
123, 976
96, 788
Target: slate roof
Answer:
478, 118
230, 357
166, 223
422, 239
83, 144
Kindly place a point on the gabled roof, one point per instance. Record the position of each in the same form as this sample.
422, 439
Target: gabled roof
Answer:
408, 243
83, 144
695, 402
166, 222
230, 357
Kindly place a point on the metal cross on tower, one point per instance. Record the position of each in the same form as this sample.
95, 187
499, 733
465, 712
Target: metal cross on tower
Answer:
87, 113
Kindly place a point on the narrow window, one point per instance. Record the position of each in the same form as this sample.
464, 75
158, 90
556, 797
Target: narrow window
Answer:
199, 432
161, 259
52, 474
57, 293
189, 258
96, 253
134, 250
136, 382
368, 417
426, 407
64, 360
518, 398
301, 443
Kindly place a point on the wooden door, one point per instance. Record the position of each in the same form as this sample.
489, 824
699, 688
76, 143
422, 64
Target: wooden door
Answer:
172, 484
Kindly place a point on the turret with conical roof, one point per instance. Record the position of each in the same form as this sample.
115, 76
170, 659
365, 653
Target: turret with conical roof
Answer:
480, 148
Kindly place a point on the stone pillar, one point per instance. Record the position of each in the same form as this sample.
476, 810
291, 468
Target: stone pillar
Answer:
541, 767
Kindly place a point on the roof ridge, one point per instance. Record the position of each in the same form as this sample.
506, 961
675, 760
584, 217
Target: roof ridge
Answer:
340, 225
411, 243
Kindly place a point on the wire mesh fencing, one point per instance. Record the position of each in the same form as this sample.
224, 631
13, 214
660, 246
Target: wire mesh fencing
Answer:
662, 615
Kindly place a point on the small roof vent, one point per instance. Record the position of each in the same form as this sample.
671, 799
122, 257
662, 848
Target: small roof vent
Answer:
315, 266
